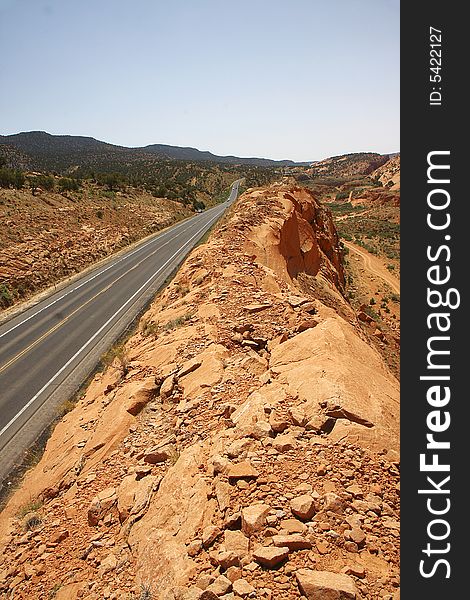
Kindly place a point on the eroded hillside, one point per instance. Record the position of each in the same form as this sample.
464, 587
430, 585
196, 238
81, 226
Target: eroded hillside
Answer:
365, 205
49, 236
243, 444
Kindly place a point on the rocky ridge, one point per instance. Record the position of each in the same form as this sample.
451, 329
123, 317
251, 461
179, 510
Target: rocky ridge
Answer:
243, 444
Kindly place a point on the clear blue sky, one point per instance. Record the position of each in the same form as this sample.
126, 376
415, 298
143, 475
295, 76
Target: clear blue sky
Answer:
298, 79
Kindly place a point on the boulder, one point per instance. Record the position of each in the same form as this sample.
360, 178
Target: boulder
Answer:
167, 387
289, 526
133, 495
209, 535
254, 518
284, 443
278, 422
242, 588
242, 470
108, 564
239, 446
294, 541
141, 396
222, 493
227, 559
159, 454
222, 585
101, 504
237, 542
303, 507
324, 585
270, 556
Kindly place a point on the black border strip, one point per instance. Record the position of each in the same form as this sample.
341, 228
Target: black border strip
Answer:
427, 126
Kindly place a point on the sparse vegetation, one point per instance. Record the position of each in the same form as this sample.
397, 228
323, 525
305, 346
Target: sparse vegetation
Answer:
117, 352
11, 178
145, 591
344, 208
54, 590
6, 297
67, 184
65, 407
41, 182
149, 328
32, 521
174, 323
182, 289
31, 507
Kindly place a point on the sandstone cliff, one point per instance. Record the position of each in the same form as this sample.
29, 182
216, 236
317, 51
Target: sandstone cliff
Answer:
244, 443
389, 173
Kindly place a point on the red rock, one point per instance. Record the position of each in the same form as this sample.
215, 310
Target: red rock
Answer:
269, 556
242, 470
303, 506
294, 541
284, 443
209, 535
356, 570
101, 505
324, 585
254, 518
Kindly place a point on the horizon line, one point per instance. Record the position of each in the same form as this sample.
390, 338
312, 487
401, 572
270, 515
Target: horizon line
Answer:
198, 149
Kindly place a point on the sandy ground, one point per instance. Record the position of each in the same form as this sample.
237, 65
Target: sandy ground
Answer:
375, 266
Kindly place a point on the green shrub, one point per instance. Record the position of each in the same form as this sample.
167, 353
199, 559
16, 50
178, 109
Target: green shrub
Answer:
6, 297
11, 178
67, 184
174, 323
45, 182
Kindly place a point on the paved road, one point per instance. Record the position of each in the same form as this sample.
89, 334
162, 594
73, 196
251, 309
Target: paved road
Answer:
48, 350
375, 266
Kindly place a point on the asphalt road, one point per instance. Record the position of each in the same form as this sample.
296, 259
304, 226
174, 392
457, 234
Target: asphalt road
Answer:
48, 350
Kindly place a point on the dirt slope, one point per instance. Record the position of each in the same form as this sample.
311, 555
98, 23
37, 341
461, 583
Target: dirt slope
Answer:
49, 236
375, 267
243, 444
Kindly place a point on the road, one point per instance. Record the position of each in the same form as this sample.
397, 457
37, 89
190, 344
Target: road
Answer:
48, 350
375, 266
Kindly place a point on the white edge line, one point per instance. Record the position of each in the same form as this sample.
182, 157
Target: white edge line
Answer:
113, 264
80, 350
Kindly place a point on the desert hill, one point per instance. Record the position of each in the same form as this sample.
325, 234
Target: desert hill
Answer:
243, 443
345, 165
48, 236
389, 173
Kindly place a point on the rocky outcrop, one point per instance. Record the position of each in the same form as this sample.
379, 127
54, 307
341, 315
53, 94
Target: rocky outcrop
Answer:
248, 449
296, 236
389, 173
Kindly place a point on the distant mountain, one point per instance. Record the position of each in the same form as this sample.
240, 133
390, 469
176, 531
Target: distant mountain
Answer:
15, 158
187, 153
65, 152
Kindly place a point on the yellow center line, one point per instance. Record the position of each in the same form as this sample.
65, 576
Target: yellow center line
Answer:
68, 317
50, 331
